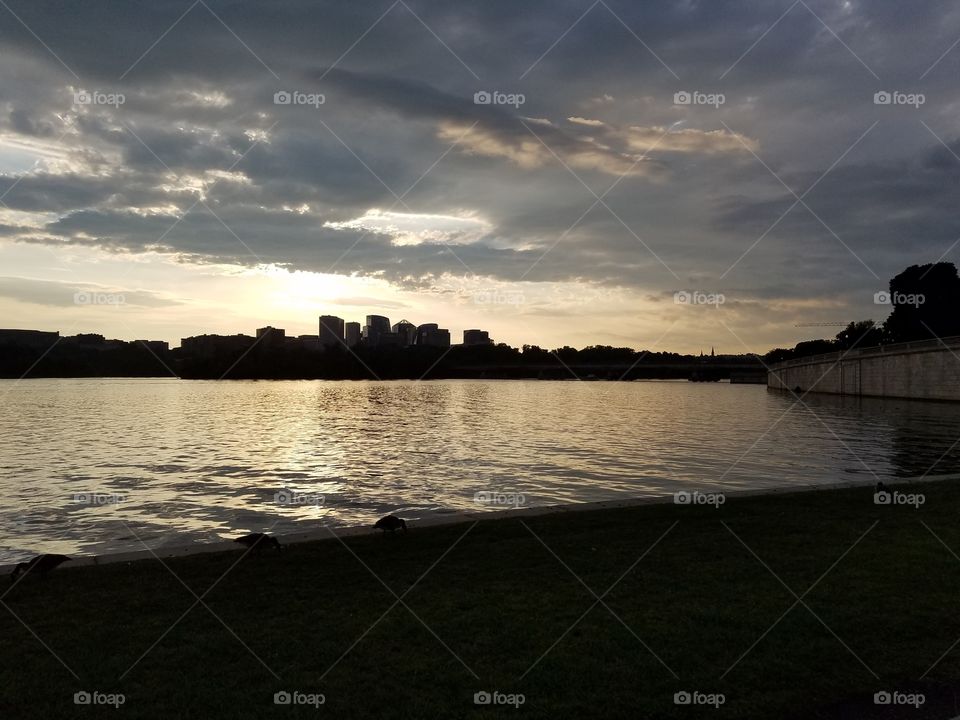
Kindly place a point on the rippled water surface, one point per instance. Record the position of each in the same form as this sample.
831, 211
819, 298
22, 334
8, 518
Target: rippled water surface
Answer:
201, 461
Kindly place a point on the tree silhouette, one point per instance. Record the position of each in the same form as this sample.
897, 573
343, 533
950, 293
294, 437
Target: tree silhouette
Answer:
925, 302
864, 333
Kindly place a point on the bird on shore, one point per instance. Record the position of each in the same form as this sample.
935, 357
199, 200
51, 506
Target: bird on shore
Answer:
259, 541
41, 564
881, 488
391, 523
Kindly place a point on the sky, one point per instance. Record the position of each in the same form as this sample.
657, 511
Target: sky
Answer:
662, 175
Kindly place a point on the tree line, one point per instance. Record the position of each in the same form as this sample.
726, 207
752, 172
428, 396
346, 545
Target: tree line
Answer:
925, 302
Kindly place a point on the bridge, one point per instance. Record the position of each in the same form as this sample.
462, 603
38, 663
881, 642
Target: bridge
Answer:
735, 372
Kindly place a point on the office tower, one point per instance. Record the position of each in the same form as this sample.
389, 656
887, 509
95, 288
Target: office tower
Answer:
351, 334
331, 331
376, 326
405, 331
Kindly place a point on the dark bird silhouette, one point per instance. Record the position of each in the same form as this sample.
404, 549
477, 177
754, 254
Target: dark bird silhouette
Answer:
259, 541
881, 488
41, 564
391, 523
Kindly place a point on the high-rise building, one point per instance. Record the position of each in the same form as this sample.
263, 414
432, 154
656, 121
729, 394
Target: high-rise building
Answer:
376, 326
432, 335
351, 334
331, 331
476, 337
406, 331
271, 337
422, 331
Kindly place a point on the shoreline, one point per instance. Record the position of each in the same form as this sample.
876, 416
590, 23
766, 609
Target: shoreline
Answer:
459, 518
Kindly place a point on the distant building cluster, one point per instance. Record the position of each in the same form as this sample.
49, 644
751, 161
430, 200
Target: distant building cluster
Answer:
332, 332
376, 332
42, 340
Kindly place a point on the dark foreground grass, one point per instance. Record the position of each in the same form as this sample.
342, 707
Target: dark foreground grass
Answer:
876, 607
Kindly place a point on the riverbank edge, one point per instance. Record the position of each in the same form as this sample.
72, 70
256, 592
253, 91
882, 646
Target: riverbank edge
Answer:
459, 518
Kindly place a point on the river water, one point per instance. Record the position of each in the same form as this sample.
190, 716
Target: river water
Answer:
174, 462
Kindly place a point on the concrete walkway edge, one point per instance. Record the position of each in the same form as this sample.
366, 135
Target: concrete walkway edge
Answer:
327, 533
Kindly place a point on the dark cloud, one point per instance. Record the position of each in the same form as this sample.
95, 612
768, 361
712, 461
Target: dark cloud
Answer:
198, 122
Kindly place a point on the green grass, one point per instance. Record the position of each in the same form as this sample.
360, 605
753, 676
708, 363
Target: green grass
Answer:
499, 600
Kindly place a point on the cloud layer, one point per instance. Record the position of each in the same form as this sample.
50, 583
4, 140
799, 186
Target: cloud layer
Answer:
644, 148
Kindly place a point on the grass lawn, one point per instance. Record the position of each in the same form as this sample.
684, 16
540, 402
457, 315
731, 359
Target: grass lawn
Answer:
504, 605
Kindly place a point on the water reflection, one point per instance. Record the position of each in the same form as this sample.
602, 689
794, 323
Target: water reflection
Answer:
199, 461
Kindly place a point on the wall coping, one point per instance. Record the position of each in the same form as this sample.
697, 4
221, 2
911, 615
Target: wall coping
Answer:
875, 351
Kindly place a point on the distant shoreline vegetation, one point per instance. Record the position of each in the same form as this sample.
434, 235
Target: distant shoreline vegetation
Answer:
245, 359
